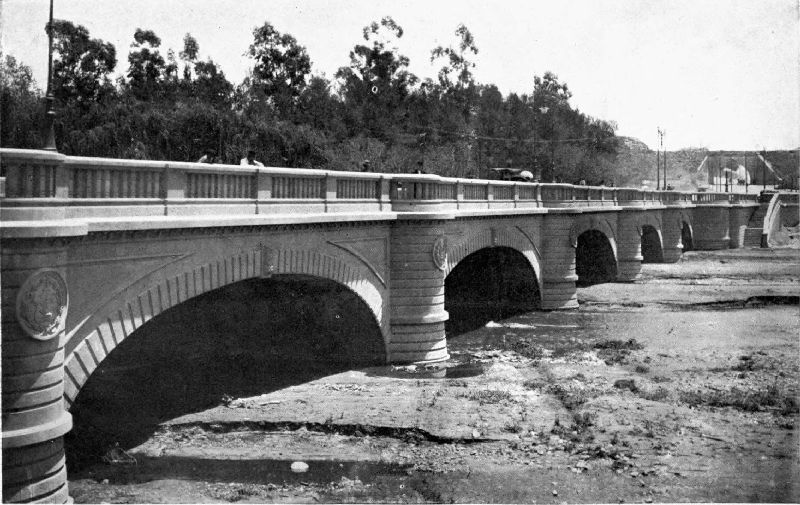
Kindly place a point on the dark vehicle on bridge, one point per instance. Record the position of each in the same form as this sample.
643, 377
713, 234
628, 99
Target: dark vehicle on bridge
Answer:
510, 174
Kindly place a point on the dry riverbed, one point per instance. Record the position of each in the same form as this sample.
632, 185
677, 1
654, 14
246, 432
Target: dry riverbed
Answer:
680, 387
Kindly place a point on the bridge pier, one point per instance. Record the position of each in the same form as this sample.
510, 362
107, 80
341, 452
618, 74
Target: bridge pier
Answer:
34, 309
711, 227
418, 263
629, 246
738, 218
558, 269
671, 228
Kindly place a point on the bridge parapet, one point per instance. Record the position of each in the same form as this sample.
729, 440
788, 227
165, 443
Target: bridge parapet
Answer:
41, 185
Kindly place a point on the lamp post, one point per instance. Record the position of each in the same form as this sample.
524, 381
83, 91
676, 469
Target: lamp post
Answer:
50, 134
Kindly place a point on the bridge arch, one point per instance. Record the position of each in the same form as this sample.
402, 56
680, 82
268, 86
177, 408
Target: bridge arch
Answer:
513, 238
588, 223
650, 230
100, 333
596, 257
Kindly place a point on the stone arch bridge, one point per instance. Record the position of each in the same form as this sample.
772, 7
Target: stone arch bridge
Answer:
92, 249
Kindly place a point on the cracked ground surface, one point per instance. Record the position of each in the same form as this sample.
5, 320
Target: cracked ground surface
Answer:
680, 387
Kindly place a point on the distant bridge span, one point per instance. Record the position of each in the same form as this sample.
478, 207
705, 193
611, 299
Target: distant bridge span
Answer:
92, 249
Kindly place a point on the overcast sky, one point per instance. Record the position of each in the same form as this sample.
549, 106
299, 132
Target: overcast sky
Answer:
718, 74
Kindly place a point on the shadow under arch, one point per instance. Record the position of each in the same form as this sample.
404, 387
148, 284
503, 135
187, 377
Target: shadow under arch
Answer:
687, 236
245, 339
595, 260
652, 245
491, 283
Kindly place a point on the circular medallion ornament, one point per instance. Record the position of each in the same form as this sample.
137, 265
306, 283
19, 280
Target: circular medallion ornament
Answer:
439, 253
42, 304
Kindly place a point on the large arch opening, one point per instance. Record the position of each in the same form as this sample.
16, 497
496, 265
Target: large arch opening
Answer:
686, 237
488, 285
652, 250
594, 259
245, 339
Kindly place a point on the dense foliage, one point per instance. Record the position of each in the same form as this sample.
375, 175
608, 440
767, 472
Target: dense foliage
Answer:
374, 114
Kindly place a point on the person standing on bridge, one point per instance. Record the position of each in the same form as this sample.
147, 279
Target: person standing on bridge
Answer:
250, 159
209, 156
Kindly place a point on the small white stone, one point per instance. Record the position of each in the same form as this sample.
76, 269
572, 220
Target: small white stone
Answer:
299, 467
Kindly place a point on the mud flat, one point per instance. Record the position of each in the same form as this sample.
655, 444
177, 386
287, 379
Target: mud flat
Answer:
680, 387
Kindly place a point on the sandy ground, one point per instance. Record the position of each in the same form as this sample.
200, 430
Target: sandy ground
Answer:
680, 387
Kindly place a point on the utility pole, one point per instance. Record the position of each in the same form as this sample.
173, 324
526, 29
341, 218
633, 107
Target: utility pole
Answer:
658, 168
49, 129
661, 134
746, 174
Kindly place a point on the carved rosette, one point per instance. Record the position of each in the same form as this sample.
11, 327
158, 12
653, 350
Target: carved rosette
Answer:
42, 304
439, 253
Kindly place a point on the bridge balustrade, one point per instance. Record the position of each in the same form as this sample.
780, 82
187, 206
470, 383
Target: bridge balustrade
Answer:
475, 191
298, 188
33, 180
504, 192
358, 189
557, 195
92, 186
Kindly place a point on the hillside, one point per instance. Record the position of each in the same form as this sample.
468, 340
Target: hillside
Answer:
636, 165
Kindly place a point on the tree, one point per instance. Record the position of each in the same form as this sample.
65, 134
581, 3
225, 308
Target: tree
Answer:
282, 66
456, 72
189, 55
572, 146
147, 67
20, 105
210, 84
377, 82
81, 64
460, 94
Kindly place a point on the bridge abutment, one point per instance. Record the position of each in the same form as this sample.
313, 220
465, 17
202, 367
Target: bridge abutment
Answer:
34, 310
418, 263
558, 269
629, 246
711, 227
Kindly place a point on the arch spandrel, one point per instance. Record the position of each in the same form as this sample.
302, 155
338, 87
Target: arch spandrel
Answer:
101, 332
649, 219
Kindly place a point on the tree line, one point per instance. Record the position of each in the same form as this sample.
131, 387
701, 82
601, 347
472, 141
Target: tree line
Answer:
374, 114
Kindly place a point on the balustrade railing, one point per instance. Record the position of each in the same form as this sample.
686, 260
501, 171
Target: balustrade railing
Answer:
422, 190
32, 180
31, 176
215, 185
354, 189
300, 188
476, 191
503, 192
528, 192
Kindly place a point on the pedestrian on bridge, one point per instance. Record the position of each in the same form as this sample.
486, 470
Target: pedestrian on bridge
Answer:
250, 159
209, 156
